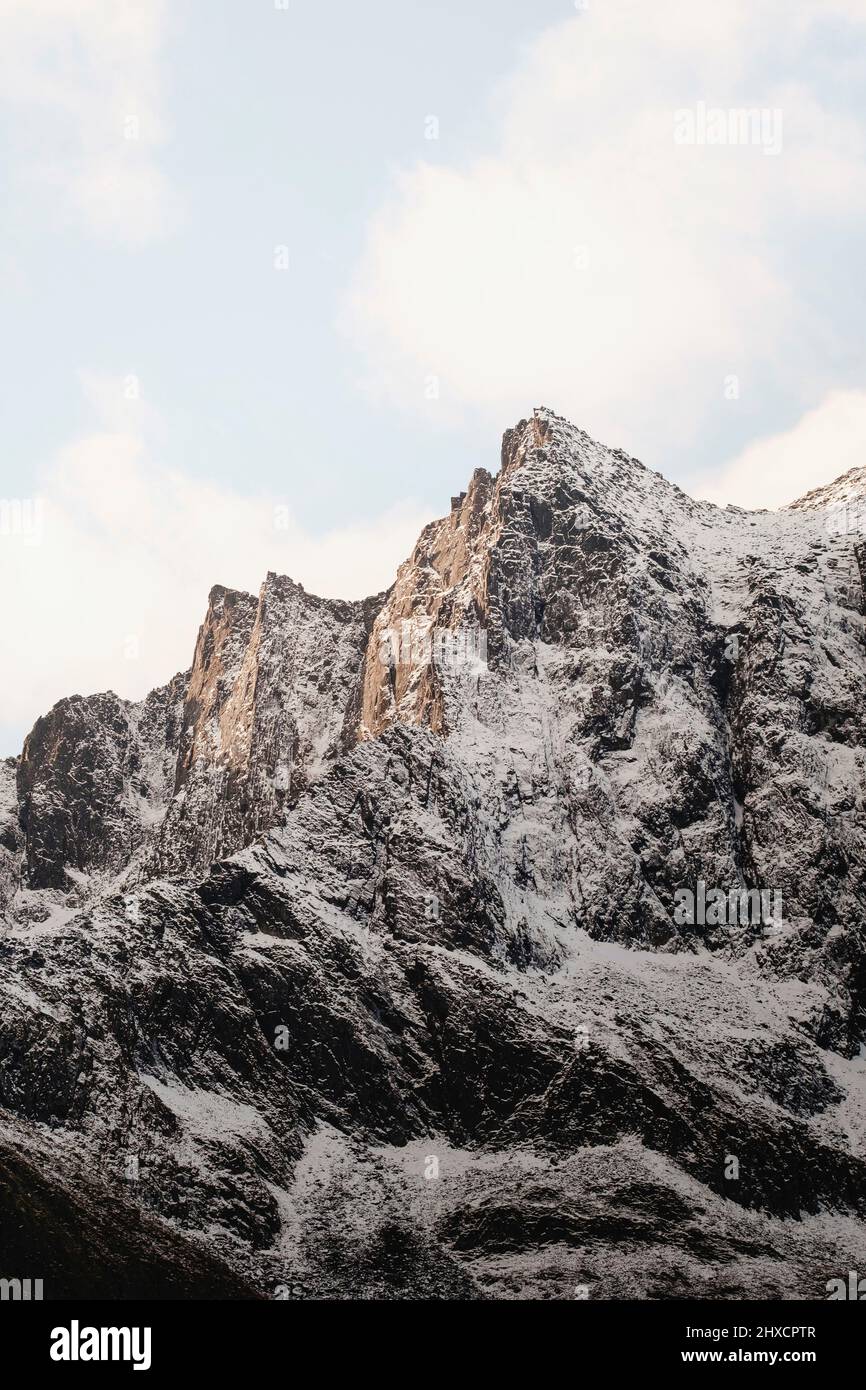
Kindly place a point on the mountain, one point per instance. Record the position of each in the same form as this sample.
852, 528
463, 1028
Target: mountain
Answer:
500, 936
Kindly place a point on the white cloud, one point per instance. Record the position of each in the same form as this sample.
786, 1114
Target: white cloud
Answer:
83, 80
108, 578
825, 443
592, 263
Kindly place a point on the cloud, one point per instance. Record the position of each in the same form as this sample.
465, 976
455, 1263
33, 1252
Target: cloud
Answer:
824, 443
83, 80
589, 260
108, 569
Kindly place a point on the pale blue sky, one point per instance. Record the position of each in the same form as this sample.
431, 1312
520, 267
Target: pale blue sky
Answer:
286, 128
553, 244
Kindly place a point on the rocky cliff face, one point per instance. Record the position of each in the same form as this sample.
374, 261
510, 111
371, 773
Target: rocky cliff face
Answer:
11, 838
357, 956
93, 781
267, 707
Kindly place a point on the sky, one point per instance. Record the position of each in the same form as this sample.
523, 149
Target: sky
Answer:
276, 276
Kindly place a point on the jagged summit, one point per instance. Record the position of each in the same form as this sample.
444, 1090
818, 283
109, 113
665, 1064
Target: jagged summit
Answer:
850, 486
284, 682
545, 426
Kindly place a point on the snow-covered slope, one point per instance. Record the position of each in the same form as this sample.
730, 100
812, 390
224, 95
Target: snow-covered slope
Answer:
433, 1024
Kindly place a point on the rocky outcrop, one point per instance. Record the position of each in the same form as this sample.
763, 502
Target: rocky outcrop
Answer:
389, 993
109, 790
11, 838
432, 621
93, 780
270, 695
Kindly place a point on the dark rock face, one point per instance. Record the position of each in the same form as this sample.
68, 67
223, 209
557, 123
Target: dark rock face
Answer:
94, 777
430, 1024
86, 1243
11, 837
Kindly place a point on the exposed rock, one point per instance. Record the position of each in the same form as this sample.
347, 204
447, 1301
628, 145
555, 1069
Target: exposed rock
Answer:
358, 944
94, 780
272, 686
11, 837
